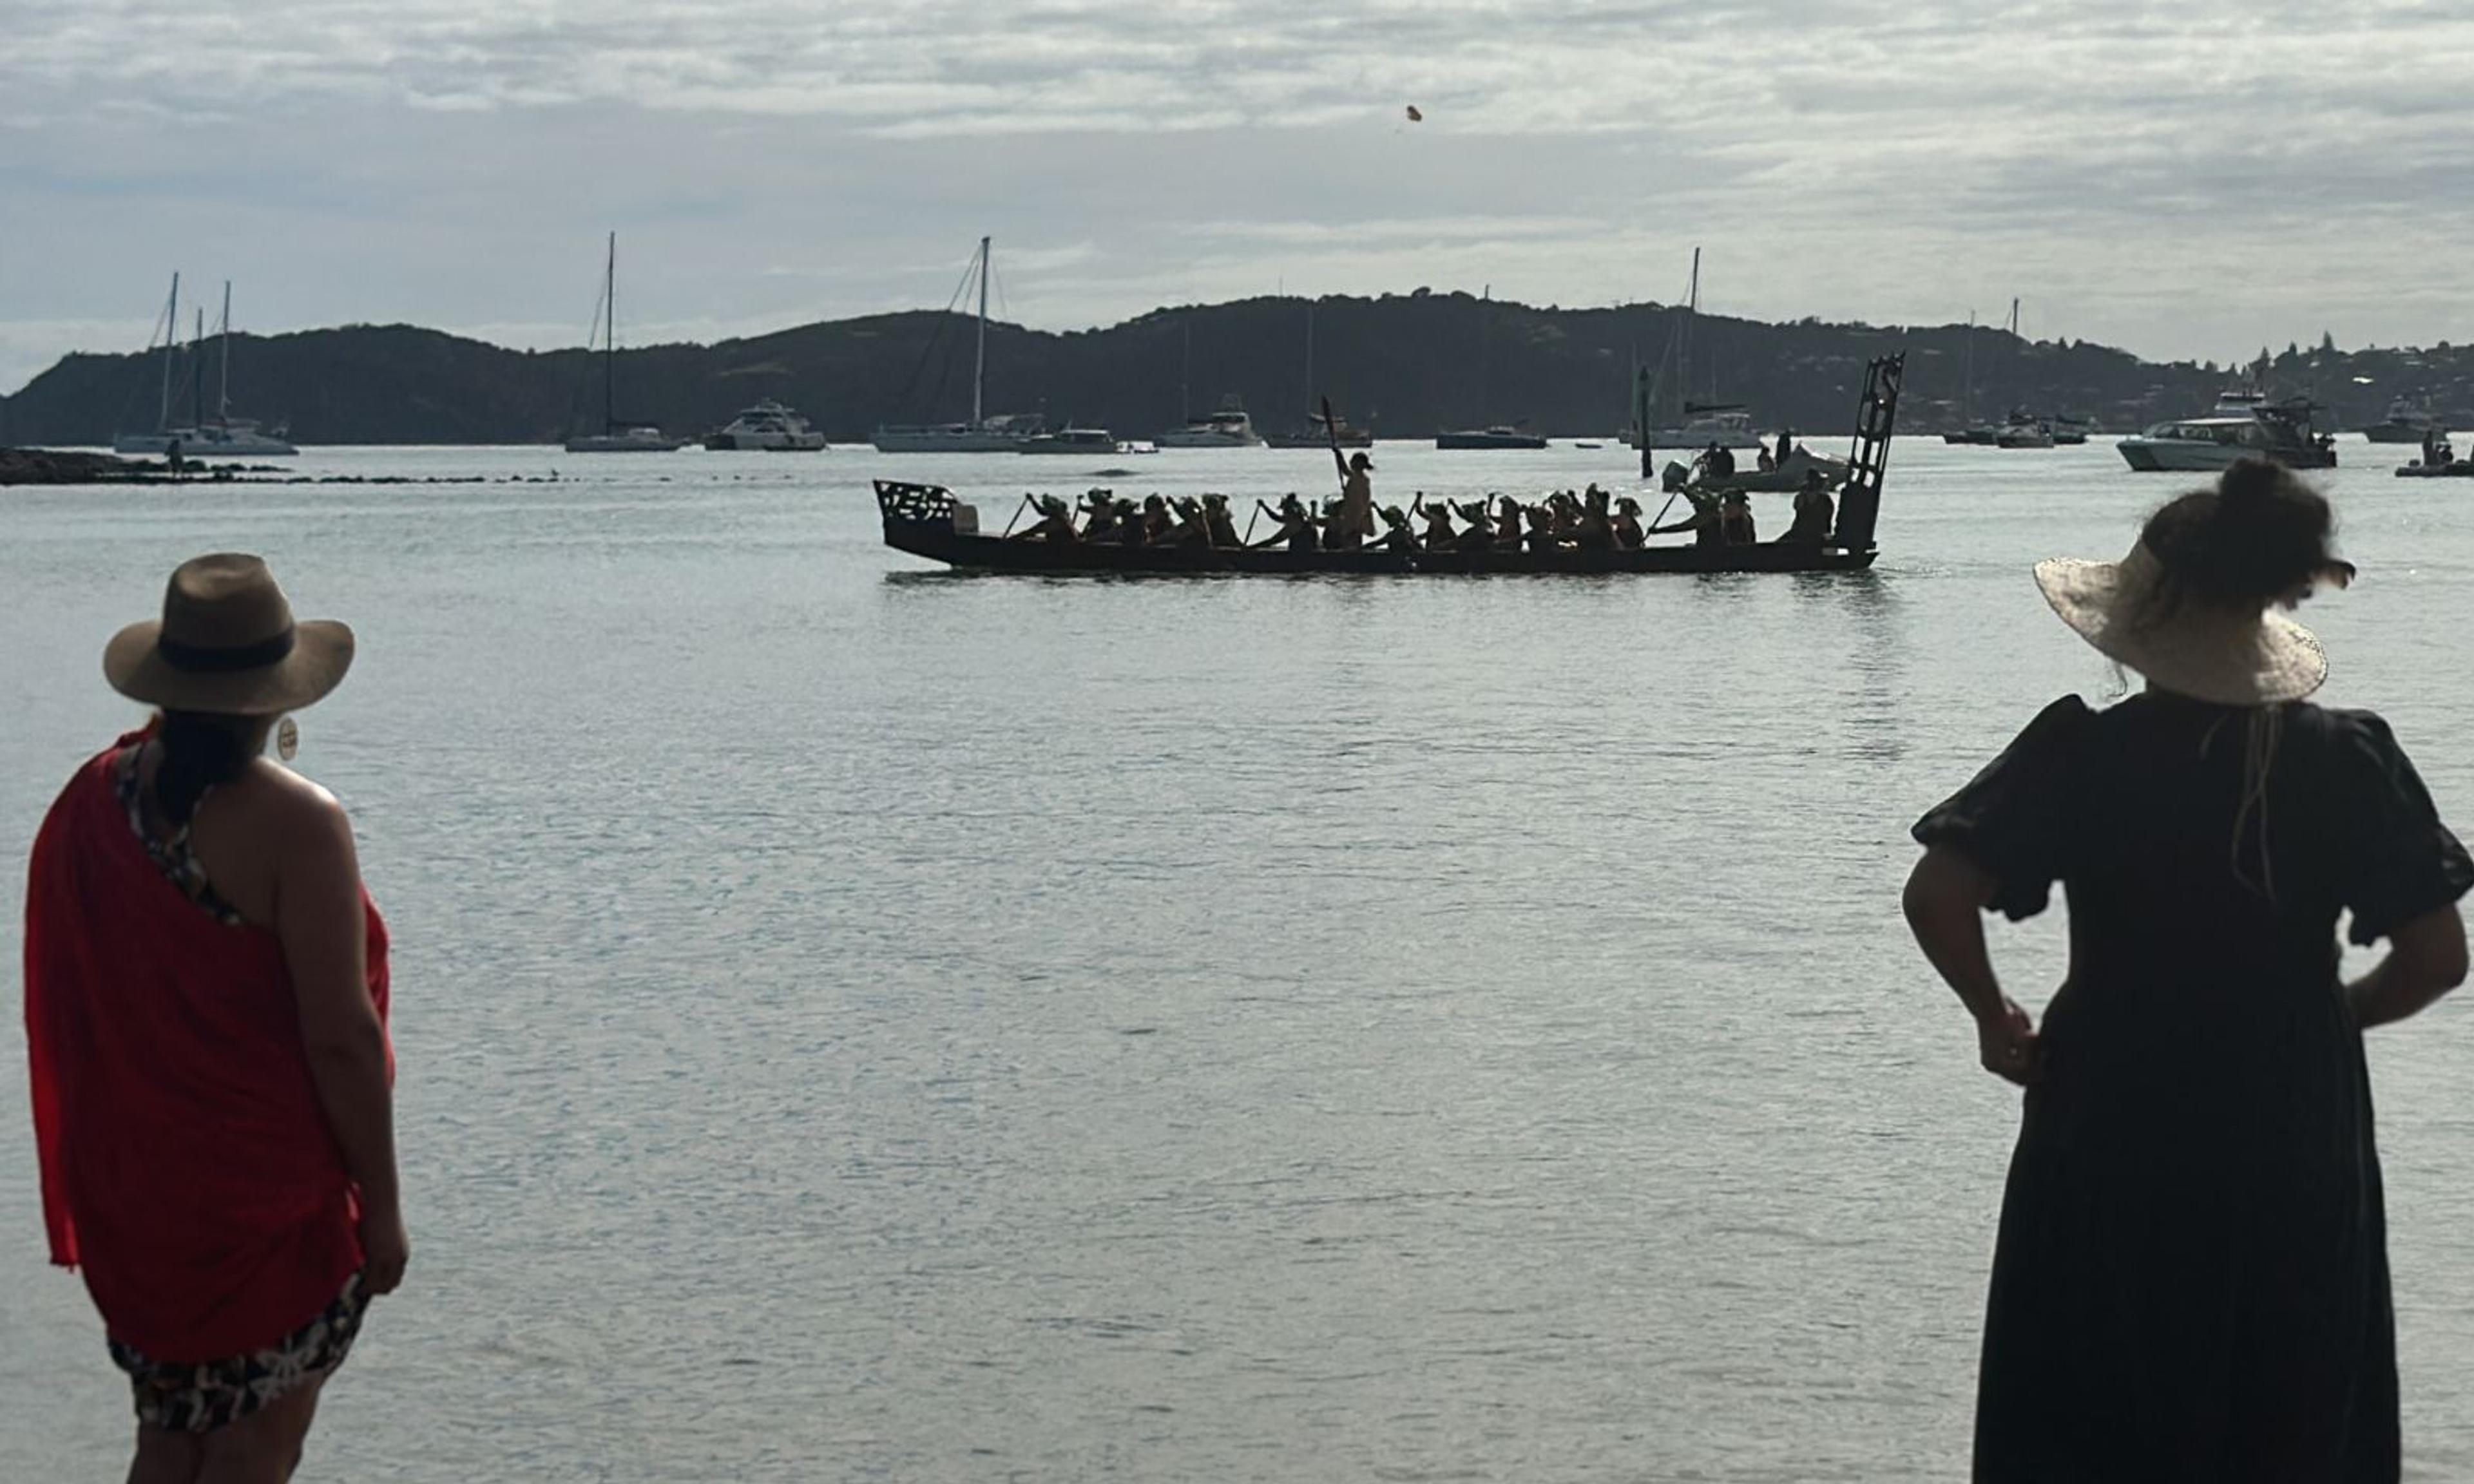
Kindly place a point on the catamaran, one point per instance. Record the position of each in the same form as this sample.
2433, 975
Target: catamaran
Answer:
616, 436
219, 437
983, 433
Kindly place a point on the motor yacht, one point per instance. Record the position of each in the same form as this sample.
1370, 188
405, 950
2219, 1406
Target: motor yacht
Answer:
769, 426
2242, 424
1071, 440
1226, 428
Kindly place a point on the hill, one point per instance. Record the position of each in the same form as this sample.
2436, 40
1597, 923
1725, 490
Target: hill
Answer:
1409, 363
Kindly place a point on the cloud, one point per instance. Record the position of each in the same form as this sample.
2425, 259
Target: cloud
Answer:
2178, 179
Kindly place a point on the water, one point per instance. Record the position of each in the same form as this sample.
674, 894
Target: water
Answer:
862, 1024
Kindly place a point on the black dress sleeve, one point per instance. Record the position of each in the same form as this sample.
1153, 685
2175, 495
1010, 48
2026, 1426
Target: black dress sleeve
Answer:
2009, 818
2397, 861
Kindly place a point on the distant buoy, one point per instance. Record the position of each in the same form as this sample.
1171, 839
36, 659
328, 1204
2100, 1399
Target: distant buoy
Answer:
1416, 117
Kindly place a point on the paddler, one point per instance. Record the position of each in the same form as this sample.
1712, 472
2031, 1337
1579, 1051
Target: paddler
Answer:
1437, 535
1217, 519
1628, 532
1703, 522
1297, 528
1396, 535
1735, 520
1056, 521
1814, 511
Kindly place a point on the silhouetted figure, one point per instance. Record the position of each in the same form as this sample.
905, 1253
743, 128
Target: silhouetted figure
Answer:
2192, 1277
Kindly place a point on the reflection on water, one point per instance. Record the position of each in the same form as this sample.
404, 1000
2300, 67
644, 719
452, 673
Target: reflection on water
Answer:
858, 1022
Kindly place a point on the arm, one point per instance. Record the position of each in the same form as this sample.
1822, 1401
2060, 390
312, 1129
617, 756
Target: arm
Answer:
1946, 897
2426, 960
318, 916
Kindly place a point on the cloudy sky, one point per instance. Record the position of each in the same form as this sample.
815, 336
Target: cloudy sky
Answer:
2192, 179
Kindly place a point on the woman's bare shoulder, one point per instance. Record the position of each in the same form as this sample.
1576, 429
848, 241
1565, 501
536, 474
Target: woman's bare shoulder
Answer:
292, 811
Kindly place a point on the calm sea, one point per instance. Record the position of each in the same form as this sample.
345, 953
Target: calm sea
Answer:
859, 1023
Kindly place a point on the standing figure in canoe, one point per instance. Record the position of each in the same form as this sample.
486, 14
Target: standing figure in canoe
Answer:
1352, 523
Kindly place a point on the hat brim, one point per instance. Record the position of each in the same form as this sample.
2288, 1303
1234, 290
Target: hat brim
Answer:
2227, 660
322, 651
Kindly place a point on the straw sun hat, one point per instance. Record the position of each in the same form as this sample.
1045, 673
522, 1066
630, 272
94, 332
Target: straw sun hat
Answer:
228, 644
2240, 656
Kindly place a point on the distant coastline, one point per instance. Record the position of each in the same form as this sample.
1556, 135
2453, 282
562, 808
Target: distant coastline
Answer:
1407, 363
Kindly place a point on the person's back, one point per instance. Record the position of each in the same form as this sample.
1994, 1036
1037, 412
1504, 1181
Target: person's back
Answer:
205, 996
2190, 1280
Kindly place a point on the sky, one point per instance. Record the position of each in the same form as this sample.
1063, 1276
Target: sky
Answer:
2190, 180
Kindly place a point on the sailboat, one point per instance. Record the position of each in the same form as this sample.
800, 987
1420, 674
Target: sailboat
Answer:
983, 433
616, 437
1692, 424
1315, 435
219, 437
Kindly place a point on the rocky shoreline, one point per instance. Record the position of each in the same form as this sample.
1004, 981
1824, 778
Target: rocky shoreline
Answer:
55, 467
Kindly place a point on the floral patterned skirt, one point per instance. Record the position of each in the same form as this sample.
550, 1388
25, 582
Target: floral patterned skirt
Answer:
203, 1398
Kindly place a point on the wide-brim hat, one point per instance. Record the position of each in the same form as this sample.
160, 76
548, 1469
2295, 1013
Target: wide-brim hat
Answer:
2229, 655
228, 645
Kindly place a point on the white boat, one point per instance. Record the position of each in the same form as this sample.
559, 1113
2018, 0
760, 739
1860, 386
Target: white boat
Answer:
2242, 424
1072, 440
1004, 433
1227, 428
1729, 428
617, 436
2406, 423
222, 436
769, 426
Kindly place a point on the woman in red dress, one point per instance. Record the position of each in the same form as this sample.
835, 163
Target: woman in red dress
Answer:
206, 1016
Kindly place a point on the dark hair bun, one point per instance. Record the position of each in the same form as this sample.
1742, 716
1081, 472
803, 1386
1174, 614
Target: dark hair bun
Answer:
2260, 536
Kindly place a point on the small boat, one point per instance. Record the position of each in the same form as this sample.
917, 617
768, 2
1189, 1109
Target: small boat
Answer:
1497, 437
927, 521
1227, 428
1071, 440
768, 426
2406, 423
2242, 424
1753, 479
617, 436
1588, 445
2453, 469
2025, 432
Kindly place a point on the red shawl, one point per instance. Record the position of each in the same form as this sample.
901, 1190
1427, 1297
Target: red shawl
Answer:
187, 1165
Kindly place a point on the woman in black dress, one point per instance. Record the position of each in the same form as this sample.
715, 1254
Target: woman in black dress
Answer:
2192, 1277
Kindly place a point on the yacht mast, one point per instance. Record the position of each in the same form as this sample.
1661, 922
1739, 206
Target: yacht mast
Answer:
1967, 375
1684, 348
223, 376
980, 360
171, 338
197, 372
610, 337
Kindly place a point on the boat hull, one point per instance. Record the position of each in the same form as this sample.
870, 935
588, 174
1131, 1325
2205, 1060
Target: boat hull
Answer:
933, 441
1464, 441
2187, 456
204, 443
2394, 433
622, 442
1185, 440
2463, 468
925, 521
766, 442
